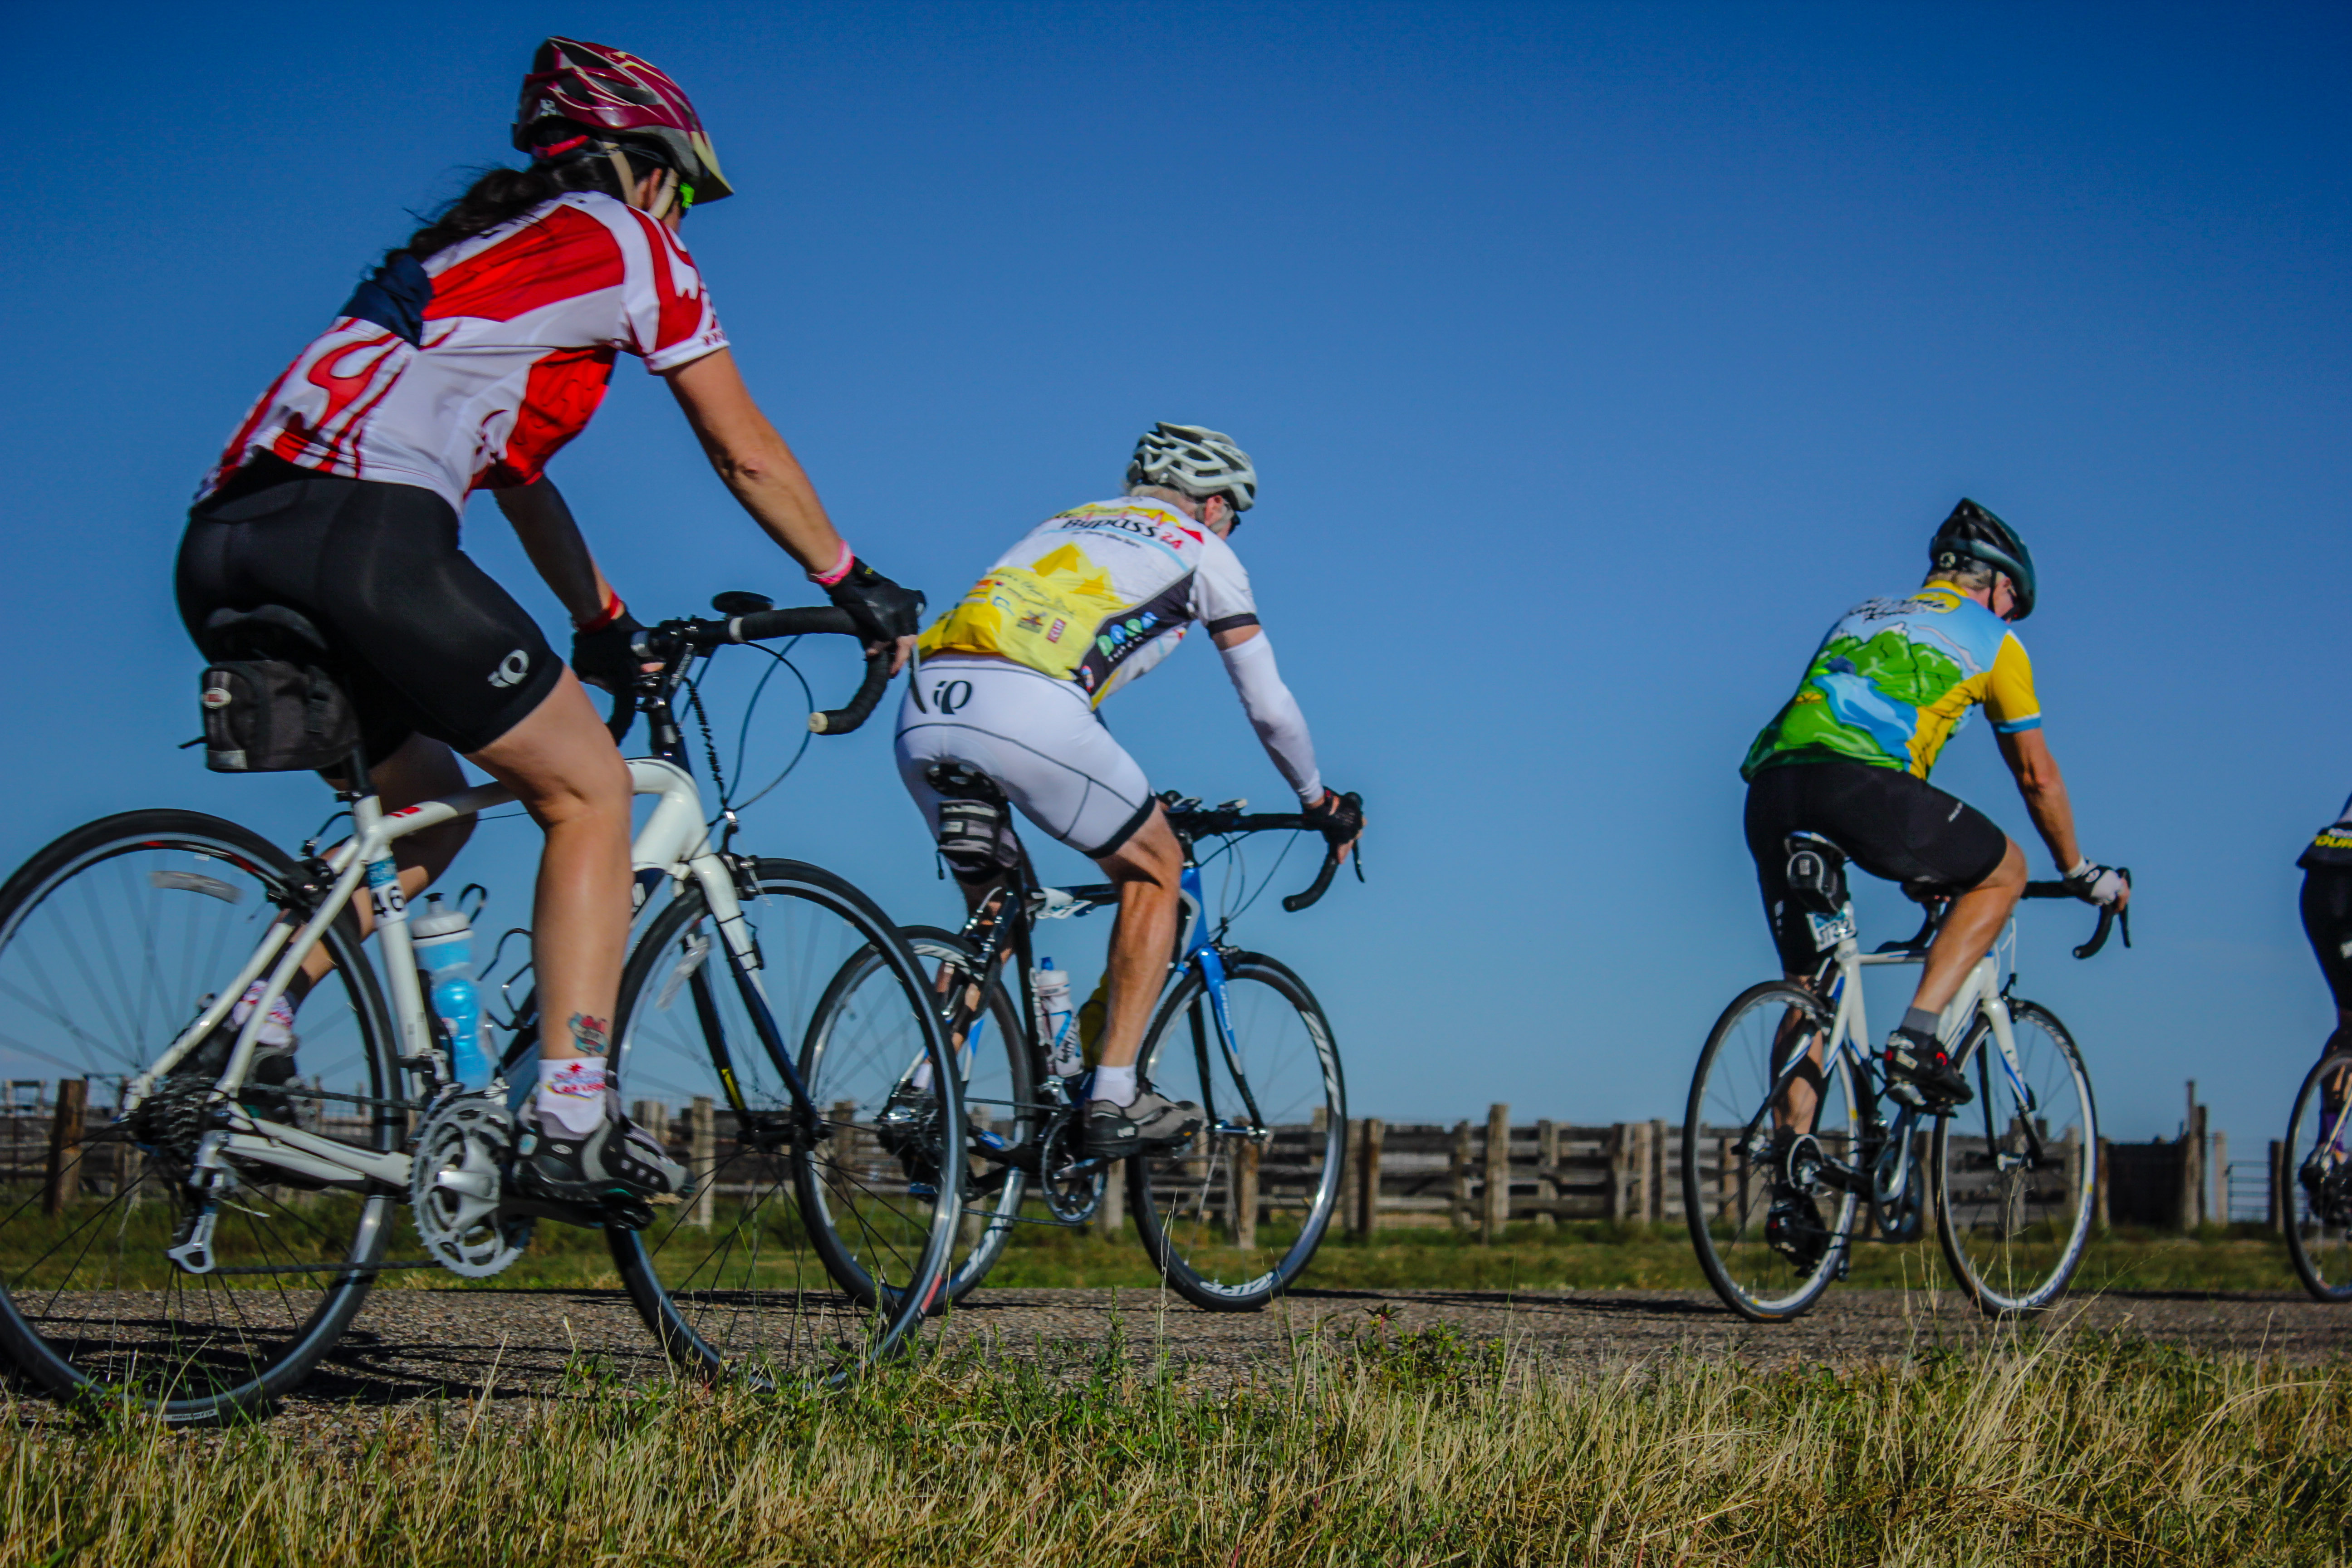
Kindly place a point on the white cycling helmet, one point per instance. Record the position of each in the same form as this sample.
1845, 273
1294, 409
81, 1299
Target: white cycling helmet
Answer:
1197, 460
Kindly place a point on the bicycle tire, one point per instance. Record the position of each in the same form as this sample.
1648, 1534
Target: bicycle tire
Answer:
2014, 1242
2318, 1186
90, 1308
999, 1079
1209, 1250
792, 1262
1726, 1205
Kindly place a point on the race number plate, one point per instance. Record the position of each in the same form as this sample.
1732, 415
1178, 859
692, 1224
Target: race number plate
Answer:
1830, 930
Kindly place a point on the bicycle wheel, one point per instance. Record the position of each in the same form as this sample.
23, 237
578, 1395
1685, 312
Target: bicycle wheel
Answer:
1233, 1218
1738, 1145
1002, 1110
2319, 1180
2015, 1170
112, 939
799, 1256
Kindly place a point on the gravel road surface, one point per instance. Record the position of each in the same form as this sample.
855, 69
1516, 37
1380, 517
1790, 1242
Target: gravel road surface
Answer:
426, 1344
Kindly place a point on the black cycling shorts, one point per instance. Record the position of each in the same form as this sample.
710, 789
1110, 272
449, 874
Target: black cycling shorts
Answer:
1888, 823
2328, 922
427, 642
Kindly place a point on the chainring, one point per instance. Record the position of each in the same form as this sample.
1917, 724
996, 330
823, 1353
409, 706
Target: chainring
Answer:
1072, 1196
456, 1183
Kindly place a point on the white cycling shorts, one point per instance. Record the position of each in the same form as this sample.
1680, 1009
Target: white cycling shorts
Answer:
1037, 737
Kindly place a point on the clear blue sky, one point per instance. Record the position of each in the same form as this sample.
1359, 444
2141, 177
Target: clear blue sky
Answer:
1595, 359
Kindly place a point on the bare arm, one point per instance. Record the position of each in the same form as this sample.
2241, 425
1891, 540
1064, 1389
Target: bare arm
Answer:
752, 460
551, 538
2044, 789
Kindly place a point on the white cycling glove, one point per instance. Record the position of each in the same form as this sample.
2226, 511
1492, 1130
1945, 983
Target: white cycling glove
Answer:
2096, 884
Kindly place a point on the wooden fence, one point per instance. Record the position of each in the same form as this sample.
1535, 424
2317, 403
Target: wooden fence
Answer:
1472, 1177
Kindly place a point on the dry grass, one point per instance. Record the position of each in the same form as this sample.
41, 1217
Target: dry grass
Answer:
1419, 1448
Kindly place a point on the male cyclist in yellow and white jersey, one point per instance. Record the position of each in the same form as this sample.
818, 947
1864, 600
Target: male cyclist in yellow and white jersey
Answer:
1003, 707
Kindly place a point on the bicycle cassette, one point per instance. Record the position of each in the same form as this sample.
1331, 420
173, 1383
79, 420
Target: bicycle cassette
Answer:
457, 1186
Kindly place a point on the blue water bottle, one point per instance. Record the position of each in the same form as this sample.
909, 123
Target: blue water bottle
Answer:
445, 951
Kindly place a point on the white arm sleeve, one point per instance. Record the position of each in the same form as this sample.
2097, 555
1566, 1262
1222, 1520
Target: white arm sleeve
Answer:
1273, 713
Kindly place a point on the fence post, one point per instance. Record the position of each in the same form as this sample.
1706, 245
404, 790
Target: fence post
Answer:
1112, 1215
2282, 1195
64, 1173
1458, 1167
1496, 1212
1367, 1174
2191, 1201
654, 1116
2219, 1212
702, 1158
1657, 1214
2102, 1181
1245, 1194
1546, 1172
1634, 1146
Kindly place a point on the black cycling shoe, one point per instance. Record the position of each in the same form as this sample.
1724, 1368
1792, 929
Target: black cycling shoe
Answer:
1794, 1228
617, 1163
1154, 1124
1920, 1074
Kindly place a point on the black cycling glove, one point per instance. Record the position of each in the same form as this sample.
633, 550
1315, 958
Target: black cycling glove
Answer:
603, 657
884, 611
1337, 818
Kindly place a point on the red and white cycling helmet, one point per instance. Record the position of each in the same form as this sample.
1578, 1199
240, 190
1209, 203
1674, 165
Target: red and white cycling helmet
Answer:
581, 97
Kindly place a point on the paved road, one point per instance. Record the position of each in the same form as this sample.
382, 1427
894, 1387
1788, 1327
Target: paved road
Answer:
411, 1344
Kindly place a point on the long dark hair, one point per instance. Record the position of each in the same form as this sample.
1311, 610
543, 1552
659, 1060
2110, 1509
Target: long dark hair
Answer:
501, 195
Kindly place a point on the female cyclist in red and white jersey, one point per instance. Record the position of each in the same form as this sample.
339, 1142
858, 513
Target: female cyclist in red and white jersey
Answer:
472, 355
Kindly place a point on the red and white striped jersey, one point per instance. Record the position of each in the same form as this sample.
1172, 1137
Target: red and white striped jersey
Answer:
505, 361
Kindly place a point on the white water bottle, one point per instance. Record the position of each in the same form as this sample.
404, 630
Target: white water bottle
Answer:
1052, 987
445, 951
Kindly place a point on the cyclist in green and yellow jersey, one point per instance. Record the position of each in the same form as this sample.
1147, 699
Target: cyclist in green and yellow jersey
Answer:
1847, 758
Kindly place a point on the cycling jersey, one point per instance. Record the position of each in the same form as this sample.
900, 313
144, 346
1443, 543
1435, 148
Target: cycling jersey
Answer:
475, 368
1099, 594
2332, 845
1895, 678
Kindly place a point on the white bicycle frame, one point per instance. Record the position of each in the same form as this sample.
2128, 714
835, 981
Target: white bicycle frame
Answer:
1850, 1034
674, 841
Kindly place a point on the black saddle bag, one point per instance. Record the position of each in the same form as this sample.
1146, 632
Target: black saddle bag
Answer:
270, 702
1816, 875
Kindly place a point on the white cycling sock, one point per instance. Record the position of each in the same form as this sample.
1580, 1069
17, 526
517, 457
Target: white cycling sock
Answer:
571, 1095
1116, 1084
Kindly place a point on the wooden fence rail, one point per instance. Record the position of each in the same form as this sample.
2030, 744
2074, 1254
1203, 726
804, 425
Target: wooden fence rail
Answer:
1473, 1177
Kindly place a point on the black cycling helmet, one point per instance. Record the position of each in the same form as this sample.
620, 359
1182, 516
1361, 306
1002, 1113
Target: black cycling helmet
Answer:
1975, 534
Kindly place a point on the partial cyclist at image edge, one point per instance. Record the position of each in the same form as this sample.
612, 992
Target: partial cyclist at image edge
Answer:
2320, 1226
1847, 758
465, 362
1003, 708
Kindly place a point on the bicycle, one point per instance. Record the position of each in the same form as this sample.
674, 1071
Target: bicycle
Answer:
200, 1236
2014, 1199
2318, 1188
1237, 1032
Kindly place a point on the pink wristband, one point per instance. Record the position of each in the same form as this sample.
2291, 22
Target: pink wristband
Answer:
839, 569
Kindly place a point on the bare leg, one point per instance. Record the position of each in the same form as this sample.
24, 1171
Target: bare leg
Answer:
419, 769
1146, 868
563, 768
1976, 919
1800, 1099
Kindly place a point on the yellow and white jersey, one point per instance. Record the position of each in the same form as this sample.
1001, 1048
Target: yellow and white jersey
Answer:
1099, 594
